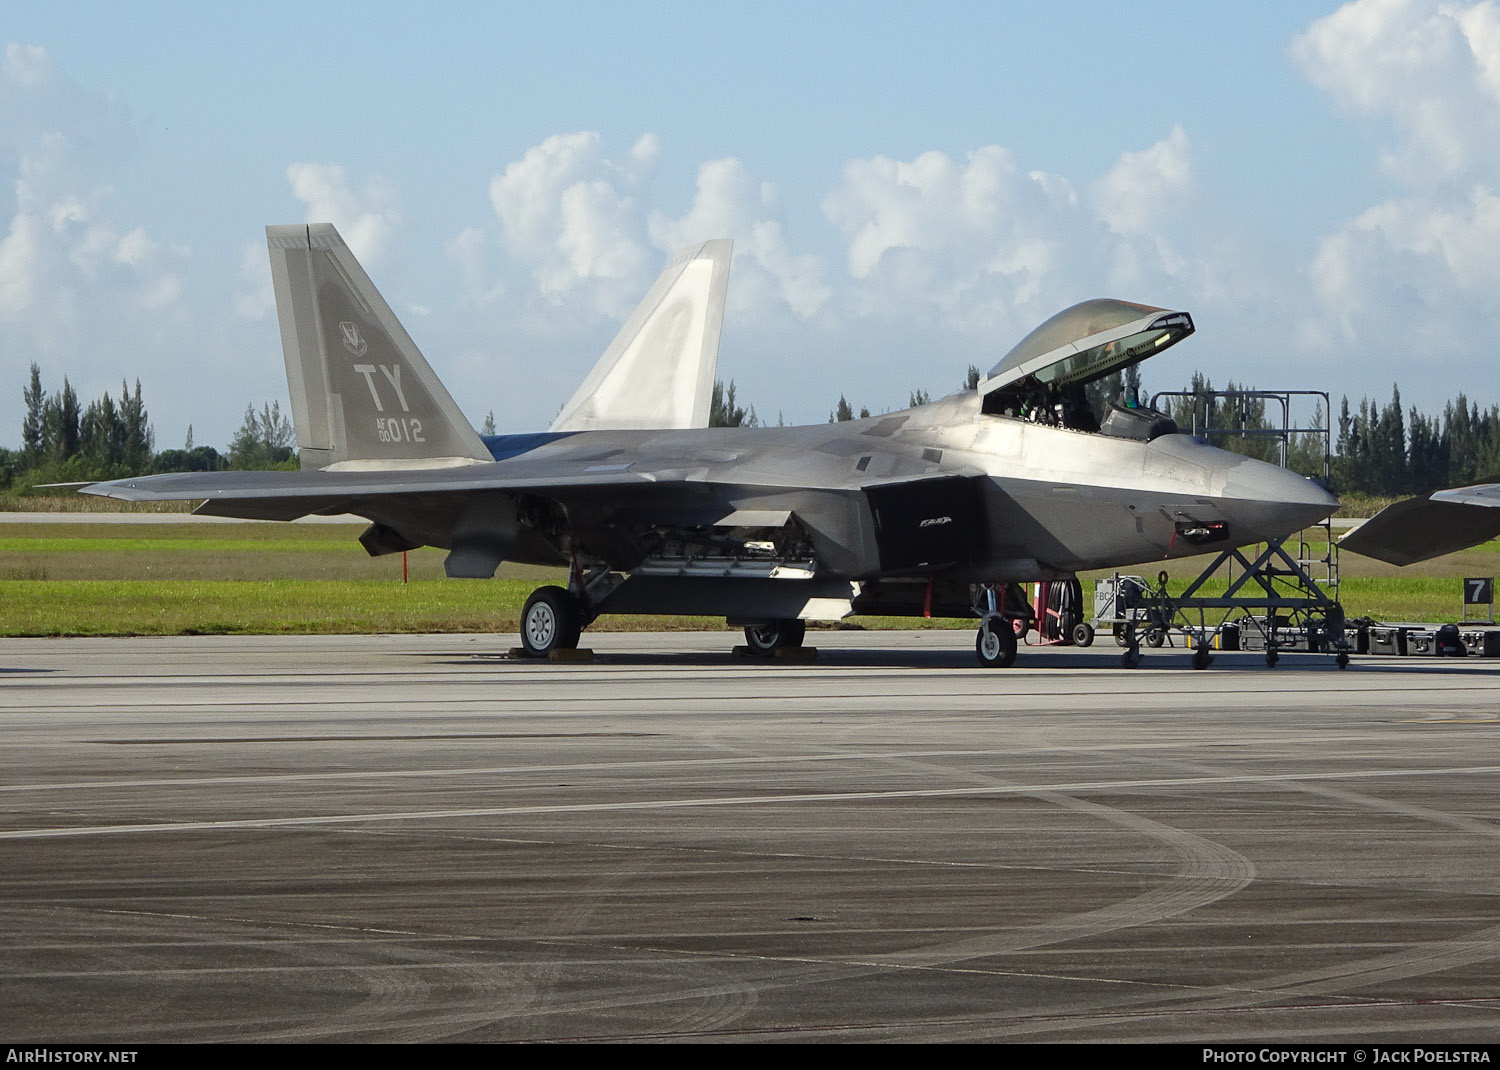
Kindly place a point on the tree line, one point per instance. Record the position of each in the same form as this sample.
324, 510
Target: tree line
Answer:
1382, 450
66, 441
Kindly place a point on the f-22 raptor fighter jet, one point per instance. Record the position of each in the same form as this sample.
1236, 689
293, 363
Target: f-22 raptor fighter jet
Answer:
929, 511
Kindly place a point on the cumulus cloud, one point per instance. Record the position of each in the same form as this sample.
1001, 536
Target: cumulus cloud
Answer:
1411, 275
968, 239
987, 245
26, 65
366, 216
731, 202
469, 250
1414, 274
961, 255
1431, 70
20, 252
257, 299
568, 212
67, 267
581, 223
1136, 195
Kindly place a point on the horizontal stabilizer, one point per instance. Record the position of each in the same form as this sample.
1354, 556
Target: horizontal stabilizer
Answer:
1419, 529
658, 373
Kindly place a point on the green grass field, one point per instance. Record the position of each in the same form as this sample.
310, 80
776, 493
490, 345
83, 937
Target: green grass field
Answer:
184, 579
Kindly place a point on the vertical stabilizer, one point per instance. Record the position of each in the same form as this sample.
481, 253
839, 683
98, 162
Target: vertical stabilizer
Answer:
362, 394
659, 370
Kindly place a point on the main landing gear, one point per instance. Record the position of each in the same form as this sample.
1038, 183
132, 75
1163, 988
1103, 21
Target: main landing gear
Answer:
763, 640
551, 620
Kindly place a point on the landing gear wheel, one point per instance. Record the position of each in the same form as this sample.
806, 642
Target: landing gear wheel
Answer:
764, 639
1155, 638
1083, 634
550, 621
1203, 657
995, 644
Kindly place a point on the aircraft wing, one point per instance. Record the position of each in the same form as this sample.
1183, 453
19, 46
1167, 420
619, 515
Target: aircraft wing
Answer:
860, 526
1419, 529
288, 495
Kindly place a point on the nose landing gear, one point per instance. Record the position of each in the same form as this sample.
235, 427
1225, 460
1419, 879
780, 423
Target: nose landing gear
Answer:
996, 643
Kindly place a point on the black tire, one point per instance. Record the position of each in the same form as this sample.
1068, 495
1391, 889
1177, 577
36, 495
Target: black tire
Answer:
1083, 634
1122, 637
1155, 638
765, 639
995, 645
550, 621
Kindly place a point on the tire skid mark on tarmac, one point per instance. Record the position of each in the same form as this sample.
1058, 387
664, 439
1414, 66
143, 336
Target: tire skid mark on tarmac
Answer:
400, 991
1208, 871
1324, 983
705, 1000
419, 996
1333, 981
1481, 945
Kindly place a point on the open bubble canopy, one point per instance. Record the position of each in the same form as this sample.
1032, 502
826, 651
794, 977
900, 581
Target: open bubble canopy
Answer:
1086, 342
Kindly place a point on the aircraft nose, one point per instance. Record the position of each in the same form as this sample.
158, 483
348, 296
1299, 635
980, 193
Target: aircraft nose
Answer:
1272, 501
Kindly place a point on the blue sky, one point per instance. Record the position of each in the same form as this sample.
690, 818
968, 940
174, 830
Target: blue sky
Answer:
911, 189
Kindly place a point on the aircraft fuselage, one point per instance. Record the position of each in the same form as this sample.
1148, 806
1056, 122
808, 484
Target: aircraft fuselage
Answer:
1045, 500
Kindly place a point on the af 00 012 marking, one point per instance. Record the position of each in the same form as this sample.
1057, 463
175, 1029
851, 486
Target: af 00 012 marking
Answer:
398, 429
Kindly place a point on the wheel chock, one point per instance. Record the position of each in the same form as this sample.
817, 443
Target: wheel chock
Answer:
795, 653
783, 653
519, 653
574, 654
